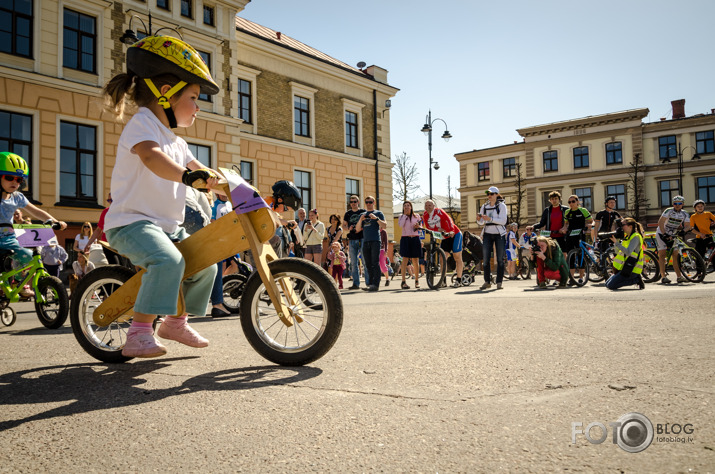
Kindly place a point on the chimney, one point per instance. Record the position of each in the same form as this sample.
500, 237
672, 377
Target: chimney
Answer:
678, 108
278, 36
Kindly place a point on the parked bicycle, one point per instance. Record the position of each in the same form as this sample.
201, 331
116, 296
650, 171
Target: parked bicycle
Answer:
51, 300
692, 265
435, 258
284, 324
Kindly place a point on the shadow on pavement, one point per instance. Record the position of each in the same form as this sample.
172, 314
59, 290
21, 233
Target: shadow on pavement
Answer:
91, 387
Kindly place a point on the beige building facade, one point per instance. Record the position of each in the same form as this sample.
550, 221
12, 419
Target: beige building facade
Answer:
593, 157
285, 110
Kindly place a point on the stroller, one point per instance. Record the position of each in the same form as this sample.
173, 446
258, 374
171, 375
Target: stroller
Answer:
471, 256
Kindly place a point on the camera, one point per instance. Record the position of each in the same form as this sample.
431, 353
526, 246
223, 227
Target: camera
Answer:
534, 245
291, 225
618, 233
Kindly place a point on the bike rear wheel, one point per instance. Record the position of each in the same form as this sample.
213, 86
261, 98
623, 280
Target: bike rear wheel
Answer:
651, 271
102, 343
233, 286
53, 312
577, 261
319, 307
692, 266
524, 268
436, 268
8, 316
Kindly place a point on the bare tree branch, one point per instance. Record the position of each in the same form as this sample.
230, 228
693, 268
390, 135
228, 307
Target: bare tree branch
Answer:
404, 176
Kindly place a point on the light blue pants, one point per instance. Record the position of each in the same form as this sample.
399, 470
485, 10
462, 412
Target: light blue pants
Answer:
148, 246
22, 255
354, 248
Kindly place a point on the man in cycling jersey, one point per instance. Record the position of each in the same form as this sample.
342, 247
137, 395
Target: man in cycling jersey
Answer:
436, 219
701, 222
604, 222
668, 224
576, 219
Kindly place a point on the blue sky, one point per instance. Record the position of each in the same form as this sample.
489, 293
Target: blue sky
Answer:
490, 67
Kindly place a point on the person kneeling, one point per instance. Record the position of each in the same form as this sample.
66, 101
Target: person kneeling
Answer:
550, 262
628, 263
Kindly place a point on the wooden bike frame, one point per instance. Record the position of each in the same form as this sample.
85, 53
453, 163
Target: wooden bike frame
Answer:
223, 238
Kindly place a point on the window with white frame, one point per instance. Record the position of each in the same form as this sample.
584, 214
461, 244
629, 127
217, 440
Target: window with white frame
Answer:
16, 137
16, 27
246, 168
201, 153
79, 41
302, 180
303, 113
78, 162
352, 188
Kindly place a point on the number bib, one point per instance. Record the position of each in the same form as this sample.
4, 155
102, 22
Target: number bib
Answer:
244, 196
545, 233
575, 233
29, 235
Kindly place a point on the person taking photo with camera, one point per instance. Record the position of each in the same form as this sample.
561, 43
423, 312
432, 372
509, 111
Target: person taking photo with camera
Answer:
628, 262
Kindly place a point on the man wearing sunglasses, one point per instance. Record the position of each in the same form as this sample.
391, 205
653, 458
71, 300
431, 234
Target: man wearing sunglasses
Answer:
350, 221
576, 219
370, 223
668, 224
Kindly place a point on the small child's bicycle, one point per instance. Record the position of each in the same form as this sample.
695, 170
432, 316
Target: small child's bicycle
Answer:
291, 311
51, 300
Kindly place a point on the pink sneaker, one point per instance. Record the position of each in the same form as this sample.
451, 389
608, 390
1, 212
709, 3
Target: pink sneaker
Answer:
184, 334
142, 344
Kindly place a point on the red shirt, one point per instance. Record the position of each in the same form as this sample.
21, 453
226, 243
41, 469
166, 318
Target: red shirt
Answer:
557, 221
100, 224
439, 219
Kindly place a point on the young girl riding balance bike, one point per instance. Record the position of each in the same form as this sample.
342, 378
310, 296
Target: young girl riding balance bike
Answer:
164, 79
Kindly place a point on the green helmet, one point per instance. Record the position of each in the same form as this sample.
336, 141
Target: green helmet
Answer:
13, 164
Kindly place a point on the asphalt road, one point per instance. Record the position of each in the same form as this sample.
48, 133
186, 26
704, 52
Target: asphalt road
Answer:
455, 380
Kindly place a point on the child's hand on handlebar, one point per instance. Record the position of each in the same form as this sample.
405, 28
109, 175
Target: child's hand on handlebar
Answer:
203, 179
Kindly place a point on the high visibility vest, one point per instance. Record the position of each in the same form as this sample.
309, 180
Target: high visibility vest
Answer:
637, 253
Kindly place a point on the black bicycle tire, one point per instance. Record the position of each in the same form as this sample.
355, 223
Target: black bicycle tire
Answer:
62, 300
440, 256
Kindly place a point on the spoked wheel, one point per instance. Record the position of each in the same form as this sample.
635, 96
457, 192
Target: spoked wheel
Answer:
8, 316
524, 268
651, 271
53, 311
597, 274
436, 268
233, 286
102, 343
578, 262
692, 265
316, 316
467, 279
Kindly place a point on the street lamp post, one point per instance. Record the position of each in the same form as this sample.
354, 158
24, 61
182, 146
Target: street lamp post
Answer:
427, 130
666, 159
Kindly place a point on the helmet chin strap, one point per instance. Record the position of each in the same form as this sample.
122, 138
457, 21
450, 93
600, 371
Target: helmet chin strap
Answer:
164, 99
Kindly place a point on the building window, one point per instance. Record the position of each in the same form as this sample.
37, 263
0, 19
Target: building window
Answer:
209, 15
187, 8
247, 171
78, 159
302, 181
580, 157
585, 195
483, 171
614, 153
351, 129
79, 41
667, 148
16, 27
163, 4
244, 100
201, 153
551, 161
509, 167
16, 137
352, 188
207, 60
619, 192
706, 189
301, 108
545, 199
704, 142
666, 190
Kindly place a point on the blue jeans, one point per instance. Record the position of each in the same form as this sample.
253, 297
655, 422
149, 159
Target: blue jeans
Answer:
22, 255
354, 249
489, 241
371, 259
148, 246
617, 281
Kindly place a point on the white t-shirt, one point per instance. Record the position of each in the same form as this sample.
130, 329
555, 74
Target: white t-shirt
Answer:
81, 241
674, 220
138, 193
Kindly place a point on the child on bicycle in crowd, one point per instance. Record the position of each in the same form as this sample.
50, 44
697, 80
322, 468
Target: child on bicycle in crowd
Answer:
164, 78
14, 171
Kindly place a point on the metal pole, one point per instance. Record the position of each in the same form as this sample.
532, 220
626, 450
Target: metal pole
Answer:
680, 170
429, 144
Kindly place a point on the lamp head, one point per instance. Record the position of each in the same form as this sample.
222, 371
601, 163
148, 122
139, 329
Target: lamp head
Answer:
129, 37
436, 165
426, 129
446, 135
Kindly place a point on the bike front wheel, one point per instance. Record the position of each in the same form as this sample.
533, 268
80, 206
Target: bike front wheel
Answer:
524, 268
102, 343
651, 271
436, 268
692, 265
316, 315
53, 311
579, 263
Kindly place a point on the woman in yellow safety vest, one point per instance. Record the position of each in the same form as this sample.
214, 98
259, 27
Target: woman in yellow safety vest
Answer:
628, 263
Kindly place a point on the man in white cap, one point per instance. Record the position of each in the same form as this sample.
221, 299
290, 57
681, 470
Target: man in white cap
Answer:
493, 216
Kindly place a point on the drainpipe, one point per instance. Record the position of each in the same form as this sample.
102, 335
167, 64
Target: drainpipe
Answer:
377, 157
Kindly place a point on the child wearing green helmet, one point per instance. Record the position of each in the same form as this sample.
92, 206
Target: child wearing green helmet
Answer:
164, 79
13, 173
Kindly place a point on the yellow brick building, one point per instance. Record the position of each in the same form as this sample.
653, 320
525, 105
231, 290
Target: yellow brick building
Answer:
592, 157
285, 110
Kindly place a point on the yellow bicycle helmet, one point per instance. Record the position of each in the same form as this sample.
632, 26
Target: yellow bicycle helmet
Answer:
156, 55
13, 164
